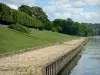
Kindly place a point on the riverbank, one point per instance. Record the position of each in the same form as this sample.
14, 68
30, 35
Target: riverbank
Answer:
89, 63
31, 63
12, 40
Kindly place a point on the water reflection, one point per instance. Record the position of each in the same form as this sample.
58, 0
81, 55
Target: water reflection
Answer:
67, 69
89, 63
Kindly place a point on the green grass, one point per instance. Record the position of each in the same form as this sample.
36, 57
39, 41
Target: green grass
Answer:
50, 36
13, 41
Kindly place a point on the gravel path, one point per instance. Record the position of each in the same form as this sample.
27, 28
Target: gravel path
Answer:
30, 63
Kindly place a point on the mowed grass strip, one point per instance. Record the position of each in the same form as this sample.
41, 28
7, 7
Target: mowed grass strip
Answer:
14, 41
50, 36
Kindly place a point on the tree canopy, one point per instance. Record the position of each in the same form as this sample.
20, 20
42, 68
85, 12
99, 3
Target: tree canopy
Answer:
10, 16
36, 12
26, 9
35, 17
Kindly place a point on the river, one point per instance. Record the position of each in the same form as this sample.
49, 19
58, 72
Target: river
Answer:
87, 62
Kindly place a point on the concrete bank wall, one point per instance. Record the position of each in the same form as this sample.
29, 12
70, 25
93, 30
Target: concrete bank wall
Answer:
54, 67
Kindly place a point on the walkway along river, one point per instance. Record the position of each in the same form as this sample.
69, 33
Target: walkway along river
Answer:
45, 61
89, 63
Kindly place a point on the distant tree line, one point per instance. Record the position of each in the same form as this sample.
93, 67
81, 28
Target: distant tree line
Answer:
94, 28
35, 17
70, 27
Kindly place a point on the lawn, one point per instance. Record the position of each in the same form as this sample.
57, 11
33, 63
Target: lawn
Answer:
50, 36
11, 40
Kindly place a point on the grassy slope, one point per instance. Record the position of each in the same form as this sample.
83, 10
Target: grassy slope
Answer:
12, 41
50, 36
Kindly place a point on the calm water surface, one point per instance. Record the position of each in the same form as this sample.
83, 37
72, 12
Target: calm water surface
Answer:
86, 63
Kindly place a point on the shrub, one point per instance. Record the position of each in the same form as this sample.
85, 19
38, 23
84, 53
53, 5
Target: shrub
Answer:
10, 16
20, 28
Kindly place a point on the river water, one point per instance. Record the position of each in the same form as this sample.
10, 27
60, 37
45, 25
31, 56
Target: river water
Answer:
86, 62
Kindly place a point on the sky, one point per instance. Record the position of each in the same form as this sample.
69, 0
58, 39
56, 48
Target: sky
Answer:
78, 10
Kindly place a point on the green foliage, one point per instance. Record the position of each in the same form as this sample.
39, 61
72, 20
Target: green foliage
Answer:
83, 29
65, 26
56, 25
38, 13
9, 16
26, 9
94, 28
20, 28
92, 32
35, 17
6, 14
77, 28
70, 27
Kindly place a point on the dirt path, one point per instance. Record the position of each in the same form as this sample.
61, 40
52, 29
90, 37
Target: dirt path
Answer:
30, 63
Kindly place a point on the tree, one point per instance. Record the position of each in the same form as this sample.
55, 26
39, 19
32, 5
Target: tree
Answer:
26, 9
83, 29
57, 25
65, 26
10, 16
95, 27
77, 28
70, 27
5, 14
38, 13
